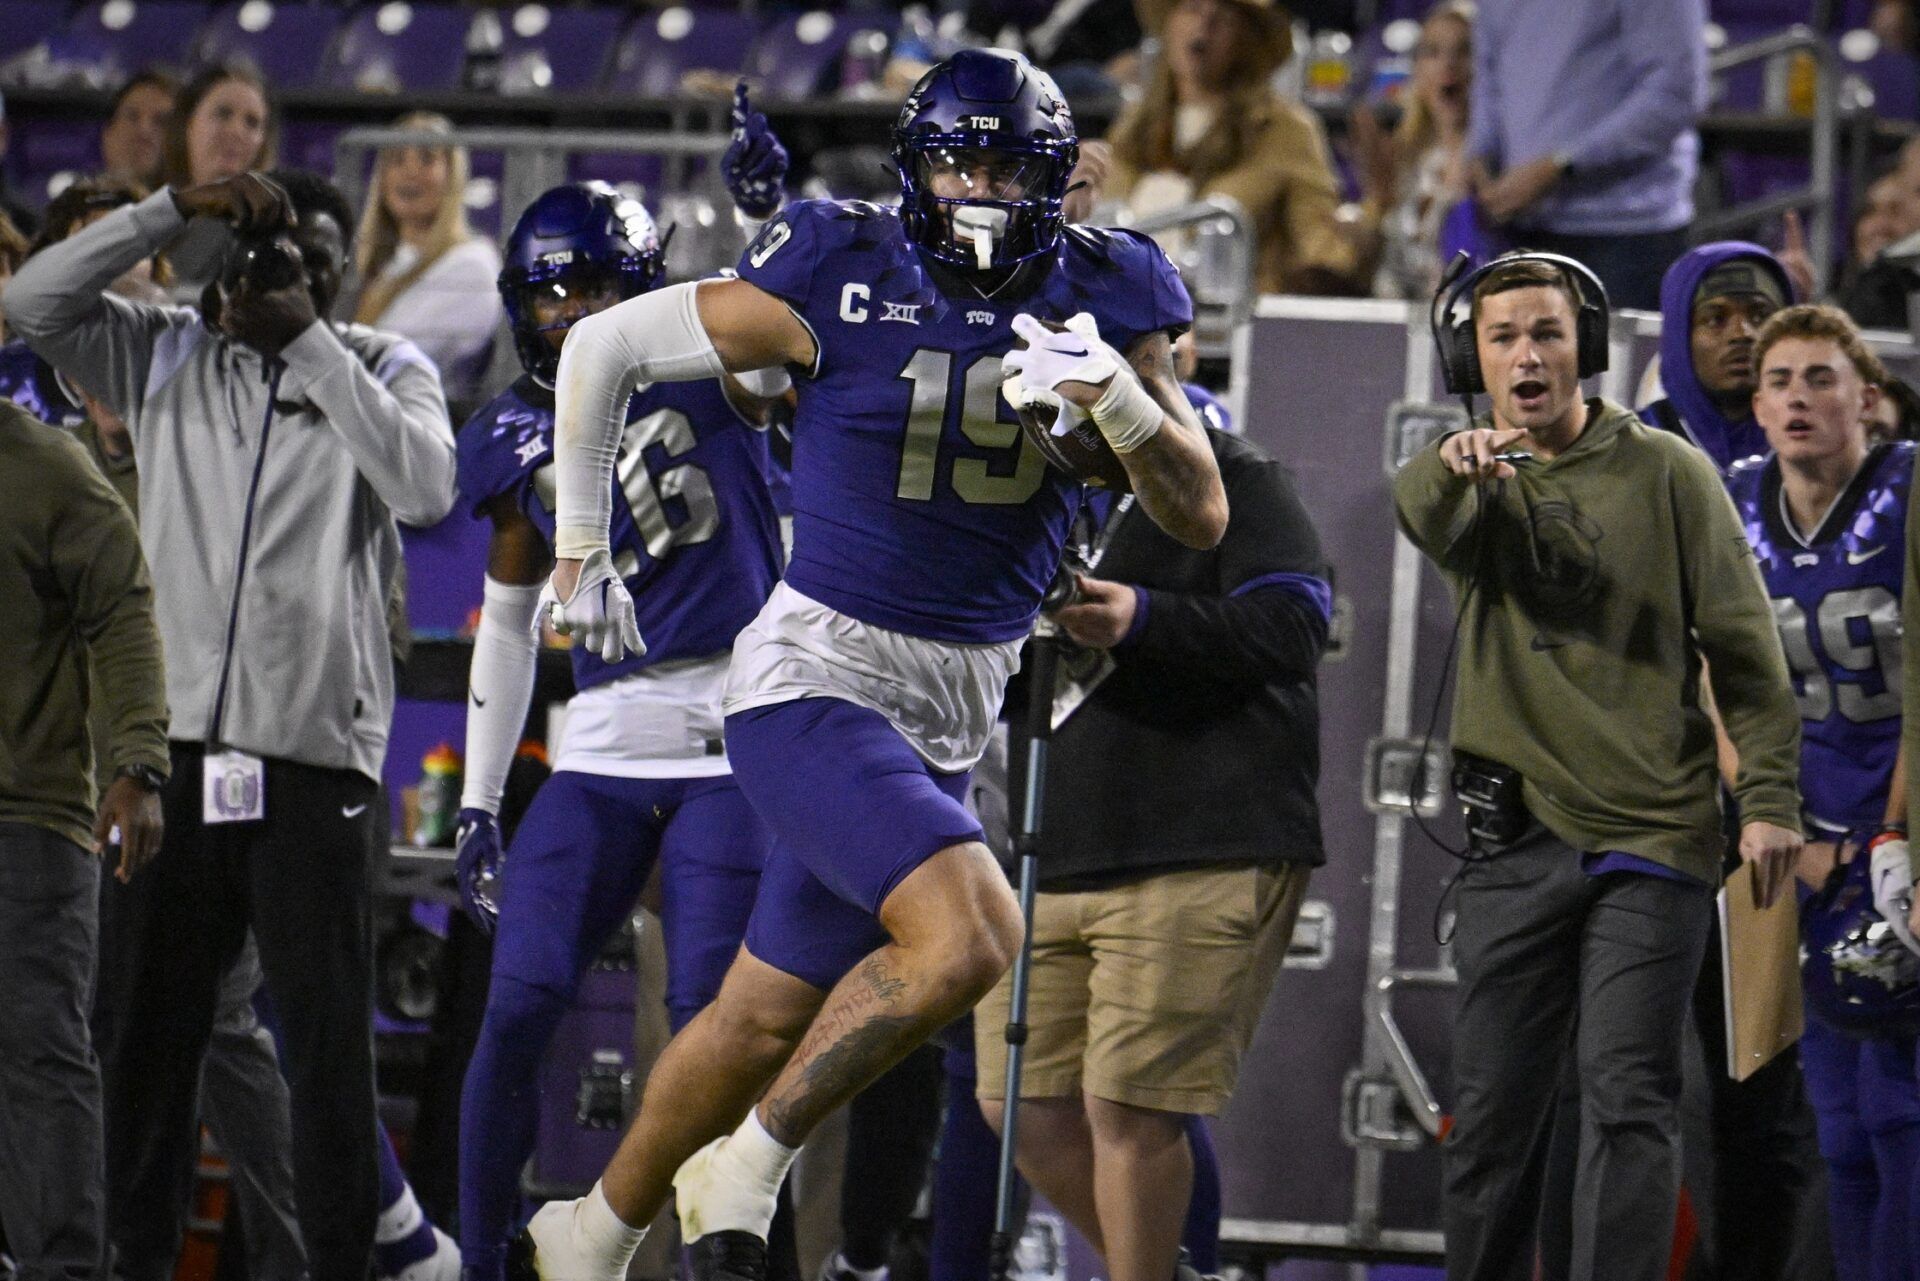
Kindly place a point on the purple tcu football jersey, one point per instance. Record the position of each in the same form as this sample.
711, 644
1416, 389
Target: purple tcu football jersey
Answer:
1836, 597
694, 534
29, 382
918, 504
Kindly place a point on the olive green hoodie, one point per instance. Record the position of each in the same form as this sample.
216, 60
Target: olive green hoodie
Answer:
1594, 584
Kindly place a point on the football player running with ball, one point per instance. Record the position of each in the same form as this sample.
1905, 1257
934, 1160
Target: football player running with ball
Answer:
926, 528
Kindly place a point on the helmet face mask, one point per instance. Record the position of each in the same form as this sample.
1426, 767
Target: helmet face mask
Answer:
984, 148
578, 249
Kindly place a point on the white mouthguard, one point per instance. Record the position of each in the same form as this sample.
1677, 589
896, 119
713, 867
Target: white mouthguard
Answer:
983, 226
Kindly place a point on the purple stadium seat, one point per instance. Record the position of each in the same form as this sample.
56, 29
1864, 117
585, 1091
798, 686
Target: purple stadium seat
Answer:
28, 23
287, 42
1745, 87
41, 160
1892, 75
659, 49
799, 57
548, 50
1392, 10
1770, 14
484, 213
107, 41
398, 47
646, 172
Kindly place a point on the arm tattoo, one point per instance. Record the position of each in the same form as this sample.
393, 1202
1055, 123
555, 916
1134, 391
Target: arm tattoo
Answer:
1174, 472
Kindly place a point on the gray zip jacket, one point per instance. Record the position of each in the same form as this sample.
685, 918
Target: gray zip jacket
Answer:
358, 437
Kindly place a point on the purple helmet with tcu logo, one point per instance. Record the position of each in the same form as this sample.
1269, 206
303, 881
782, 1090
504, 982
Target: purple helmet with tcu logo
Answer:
984, 146
578, 248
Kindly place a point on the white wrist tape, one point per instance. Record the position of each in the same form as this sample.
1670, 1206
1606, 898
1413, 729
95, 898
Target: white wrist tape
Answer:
656, 337
499, 684
1127, 414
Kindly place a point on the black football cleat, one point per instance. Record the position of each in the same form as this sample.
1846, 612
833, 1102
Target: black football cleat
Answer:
728, 1256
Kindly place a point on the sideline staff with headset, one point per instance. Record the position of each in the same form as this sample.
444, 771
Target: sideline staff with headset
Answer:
1596, 565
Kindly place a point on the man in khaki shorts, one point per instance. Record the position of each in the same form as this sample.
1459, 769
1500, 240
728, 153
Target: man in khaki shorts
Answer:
1181, 827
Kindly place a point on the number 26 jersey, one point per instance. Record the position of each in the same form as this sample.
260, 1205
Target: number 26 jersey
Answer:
918, 504
1836, 598
694, 535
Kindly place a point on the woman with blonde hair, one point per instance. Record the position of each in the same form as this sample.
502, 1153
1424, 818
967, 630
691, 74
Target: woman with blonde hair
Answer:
1210, 123
423, 272
1411, 179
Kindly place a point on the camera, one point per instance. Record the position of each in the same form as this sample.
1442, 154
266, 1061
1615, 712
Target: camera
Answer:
1064, 590
263, 262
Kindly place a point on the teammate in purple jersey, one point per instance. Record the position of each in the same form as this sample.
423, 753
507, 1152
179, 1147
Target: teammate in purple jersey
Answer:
925, 530
641, 772
1827, 516
32, 384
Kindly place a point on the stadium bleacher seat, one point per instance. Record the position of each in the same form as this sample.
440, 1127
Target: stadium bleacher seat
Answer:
799, 57
287, 42
105, 42
658, 50
43, 159
550, 50
396, 47
28, 23
1890, 76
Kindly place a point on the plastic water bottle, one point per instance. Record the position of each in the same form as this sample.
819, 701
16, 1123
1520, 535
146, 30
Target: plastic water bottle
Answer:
439, 797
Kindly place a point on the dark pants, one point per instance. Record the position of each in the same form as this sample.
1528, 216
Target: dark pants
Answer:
1552, 960
1631, 267
301, 878
50, 1166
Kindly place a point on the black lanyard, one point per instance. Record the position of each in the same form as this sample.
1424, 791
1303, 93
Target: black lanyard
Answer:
1089, 546
240, 568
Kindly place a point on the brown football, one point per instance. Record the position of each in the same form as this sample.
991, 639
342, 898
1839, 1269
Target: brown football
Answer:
1082, 453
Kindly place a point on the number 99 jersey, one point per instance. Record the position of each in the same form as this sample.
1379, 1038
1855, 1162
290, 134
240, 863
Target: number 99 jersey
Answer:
694, 535
1836, 598
918, 504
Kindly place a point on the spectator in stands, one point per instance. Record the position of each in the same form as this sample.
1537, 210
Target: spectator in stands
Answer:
133, 141
423, 273
1896, 415
1712, 303
1872, 288
290, 446
1411, 179
78, 632
1209, 123
13, 252
1581, 135
223, 125
1182, 826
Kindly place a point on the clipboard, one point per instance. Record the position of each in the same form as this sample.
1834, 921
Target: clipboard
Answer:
1759, 974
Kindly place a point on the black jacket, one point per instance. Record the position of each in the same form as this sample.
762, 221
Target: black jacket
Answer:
1203, 745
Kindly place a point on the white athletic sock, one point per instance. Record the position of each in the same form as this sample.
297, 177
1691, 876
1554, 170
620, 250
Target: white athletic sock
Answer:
398, 1221
733, 1184
602, 1231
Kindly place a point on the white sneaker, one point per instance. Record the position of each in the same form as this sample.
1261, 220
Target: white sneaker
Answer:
552, 1250
442, 1265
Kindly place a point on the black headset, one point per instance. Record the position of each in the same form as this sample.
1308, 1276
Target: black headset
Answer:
1457, 343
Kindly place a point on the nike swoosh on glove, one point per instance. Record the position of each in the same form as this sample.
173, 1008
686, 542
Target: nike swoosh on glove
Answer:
1030, 379
754, 165
599, 614
477, 857
1892, 877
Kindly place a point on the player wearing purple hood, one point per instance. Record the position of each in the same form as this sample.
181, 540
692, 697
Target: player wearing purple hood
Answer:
1712, 303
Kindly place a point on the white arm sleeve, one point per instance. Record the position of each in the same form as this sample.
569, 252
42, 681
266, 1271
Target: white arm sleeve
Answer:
656, 337
498, 687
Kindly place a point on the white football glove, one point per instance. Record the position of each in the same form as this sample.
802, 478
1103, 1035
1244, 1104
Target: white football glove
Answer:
1126, 414
599, 614
1892, 877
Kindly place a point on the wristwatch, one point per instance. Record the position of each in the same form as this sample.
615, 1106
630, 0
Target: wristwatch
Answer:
145, 775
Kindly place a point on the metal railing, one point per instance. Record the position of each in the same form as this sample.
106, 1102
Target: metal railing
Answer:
1216, 262
1817, 197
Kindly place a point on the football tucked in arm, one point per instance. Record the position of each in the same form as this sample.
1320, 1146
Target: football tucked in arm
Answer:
1080, 450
